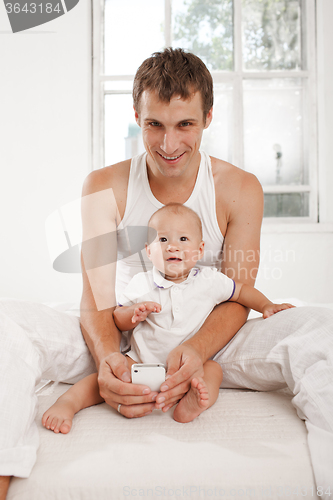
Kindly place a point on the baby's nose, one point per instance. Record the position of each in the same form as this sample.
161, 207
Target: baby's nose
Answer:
172, 247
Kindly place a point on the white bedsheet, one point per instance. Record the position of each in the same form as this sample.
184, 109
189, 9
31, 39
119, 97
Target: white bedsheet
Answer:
248, 445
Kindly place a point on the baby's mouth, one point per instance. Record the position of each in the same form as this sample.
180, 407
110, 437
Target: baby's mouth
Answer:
174, 259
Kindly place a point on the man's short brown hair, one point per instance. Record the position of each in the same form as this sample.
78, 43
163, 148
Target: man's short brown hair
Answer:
174, 72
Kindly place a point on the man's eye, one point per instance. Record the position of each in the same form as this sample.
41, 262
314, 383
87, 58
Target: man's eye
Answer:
162, 239
154, 124
185, 124
183, 238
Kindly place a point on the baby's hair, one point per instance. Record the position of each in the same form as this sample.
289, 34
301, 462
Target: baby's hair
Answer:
178, 209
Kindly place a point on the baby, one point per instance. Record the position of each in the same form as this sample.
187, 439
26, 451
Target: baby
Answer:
177, 298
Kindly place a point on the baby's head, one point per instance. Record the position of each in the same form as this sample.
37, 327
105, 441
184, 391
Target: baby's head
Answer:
175, 241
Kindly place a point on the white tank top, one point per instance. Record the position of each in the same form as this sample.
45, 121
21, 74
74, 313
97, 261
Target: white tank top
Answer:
140, 206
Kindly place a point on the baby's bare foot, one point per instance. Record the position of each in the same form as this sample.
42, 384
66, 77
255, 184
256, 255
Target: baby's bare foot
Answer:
59, 417
193, 403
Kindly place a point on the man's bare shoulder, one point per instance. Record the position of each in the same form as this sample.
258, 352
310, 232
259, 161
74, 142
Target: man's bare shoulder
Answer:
231, 178
235, 190
114, 176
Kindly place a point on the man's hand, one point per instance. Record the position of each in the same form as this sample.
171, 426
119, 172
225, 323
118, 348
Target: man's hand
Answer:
183, 363
142, 310
114, 379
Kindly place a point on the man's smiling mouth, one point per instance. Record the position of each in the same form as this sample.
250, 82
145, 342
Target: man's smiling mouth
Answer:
171, 157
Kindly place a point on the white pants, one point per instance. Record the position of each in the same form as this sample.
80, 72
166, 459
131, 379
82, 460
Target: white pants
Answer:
293, 348
35, 342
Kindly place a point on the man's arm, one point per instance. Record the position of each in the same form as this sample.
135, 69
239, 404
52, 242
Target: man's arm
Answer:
244, 208
100, 217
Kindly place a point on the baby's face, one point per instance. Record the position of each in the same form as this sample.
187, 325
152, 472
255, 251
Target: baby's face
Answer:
177, 246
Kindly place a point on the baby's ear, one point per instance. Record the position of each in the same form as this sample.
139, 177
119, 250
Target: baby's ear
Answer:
148, 250
201, 249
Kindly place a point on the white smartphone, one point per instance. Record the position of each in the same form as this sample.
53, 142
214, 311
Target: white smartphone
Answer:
151, 374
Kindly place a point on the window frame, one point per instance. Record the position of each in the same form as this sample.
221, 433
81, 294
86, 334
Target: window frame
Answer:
236, 77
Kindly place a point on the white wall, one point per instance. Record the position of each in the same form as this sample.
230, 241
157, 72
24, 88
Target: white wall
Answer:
45, 134
297, 263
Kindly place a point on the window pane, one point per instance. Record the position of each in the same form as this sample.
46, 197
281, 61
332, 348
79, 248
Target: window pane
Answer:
286, 205
121, 85
133, 31
273, 131
205, 27
271, 34
122, 135
217, 139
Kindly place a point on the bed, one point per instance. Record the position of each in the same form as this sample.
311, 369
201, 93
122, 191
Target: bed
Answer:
248, 445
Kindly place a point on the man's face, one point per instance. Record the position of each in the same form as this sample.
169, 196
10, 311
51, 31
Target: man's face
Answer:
177, 246
171, 132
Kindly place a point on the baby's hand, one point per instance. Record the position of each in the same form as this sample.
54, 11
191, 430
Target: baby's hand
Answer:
143, 309
271, 309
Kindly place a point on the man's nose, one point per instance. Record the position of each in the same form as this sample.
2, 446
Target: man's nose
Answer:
170, 142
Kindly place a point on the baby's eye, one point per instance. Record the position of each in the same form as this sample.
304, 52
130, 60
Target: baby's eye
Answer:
183, 238
162, 239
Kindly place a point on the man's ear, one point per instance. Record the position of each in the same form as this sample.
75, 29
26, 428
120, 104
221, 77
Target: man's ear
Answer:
209, 118
137, 117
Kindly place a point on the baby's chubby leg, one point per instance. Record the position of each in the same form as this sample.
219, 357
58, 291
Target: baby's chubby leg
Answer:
84, 393
202, 394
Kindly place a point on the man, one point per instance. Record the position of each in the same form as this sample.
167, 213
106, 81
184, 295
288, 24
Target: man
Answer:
173, 98
173, 101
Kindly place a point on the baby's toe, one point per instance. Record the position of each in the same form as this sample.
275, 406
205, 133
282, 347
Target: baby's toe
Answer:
65, 426
45, 419
48, 422
53, 424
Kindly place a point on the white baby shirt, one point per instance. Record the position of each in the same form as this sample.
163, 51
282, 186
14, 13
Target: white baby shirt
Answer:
185, 306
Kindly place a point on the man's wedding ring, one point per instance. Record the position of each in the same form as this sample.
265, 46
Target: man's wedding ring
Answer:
118, 409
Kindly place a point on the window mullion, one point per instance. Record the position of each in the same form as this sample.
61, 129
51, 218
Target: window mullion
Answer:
286, 188
310, 30
97, 84
116, 78
238, 58
167, 23
263, 75
238, 146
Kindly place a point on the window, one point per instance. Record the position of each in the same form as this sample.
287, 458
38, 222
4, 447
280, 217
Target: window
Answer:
261, 54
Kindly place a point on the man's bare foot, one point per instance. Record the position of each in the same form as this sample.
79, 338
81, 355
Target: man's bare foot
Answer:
59, 417
195, 401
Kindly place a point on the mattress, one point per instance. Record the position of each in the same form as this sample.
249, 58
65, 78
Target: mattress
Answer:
248, 445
